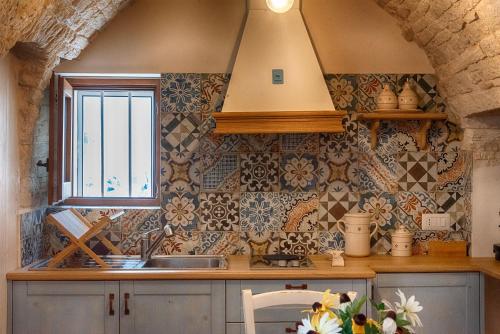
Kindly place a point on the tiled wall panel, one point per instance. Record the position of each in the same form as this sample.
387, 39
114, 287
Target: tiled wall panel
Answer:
246, 194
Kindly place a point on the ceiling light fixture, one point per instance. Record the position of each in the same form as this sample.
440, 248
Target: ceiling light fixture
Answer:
279, 6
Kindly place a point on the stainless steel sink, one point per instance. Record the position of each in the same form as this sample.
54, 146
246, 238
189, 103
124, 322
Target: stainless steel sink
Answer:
186, 262
134, 262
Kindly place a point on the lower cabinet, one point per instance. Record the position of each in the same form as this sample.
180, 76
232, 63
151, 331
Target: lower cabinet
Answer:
279, 319
65, 307
451, 304
451, 301
184, 307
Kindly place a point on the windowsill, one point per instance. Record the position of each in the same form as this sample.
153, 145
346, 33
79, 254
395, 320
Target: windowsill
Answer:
67, 206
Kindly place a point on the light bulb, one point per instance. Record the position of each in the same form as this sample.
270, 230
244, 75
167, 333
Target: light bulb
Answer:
279, 6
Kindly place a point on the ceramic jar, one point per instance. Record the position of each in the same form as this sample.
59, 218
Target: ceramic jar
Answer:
402, 240
357, 233
407, 99
387, 99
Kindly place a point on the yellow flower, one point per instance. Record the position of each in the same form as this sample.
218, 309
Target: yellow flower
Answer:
373, 323
328, 302
358, 324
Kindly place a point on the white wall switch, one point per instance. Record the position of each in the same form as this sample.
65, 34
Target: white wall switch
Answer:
436, 221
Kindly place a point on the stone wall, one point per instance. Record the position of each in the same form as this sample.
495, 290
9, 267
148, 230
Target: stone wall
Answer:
39, 34
461, 38
462, 41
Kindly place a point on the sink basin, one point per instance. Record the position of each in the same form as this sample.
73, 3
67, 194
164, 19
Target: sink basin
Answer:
186, 262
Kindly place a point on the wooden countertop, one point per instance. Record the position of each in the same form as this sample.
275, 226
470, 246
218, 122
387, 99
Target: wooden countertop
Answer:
239, 269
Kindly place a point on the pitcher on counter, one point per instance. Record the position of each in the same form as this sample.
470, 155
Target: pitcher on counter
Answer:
357, 233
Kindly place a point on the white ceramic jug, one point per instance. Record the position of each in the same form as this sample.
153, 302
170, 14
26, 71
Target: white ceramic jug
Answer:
357, 233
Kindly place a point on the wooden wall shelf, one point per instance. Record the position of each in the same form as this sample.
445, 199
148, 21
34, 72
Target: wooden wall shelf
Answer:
425, 118
257, 122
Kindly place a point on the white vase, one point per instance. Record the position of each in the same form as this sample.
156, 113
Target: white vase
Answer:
408, 99
401, 240
357, 233
387, 99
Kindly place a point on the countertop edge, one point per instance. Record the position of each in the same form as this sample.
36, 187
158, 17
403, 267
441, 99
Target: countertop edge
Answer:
356, 268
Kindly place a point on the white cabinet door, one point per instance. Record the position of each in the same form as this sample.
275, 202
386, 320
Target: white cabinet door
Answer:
65, 307
451, 301
291, 313
183, 307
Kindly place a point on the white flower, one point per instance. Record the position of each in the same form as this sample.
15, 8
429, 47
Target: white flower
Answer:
389, 326
409, 308
325, 326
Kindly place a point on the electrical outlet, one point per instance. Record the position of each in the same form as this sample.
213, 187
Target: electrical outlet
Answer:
436, 221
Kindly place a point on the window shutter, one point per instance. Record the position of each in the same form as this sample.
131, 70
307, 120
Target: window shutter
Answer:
60, 141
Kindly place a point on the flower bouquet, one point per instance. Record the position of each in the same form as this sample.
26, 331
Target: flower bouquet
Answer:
341, 313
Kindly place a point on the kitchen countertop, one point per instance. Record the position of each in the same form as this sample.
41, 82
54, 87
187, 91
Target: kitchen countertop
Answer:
355, 268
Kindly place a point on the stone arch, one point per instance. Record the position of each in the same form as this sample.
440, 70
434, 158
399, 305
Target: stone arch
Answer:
460, 37
462, 41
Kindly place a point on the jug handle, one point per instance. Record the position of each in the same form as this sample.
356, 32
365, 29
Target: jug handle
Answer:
339, 226
375, 229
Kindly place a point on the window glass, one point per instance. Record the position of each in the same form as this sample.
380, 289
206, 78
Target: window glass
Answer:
114, 144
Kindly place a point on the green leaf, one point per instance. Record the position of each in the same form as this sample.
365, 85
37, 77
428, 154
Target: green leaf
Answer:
347, 326
378, 307
357, 304
371, 329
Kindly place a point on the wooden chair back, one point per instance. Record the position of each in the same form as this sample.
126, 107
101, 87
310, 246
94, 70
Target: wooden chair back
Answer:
275, 298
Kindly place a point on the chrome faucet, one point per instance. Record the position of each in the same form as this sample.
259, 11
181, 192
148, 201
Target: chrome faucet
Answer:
147, 250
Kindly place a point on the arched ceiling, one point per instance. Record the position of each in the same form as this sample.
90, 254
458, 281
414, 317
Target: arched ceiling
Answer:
460, 37
462, 40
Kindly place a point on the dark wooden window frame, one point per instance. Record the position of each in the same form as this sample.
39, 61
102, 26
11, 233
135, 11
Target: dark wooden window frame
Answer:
56, 132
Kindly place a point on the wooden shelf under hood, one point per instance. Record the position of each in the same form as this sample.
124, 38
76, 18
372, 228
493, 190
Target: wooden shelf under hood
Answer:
256, 122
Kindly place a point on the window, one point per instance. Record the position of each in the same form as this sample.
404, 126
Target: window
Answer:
109, 135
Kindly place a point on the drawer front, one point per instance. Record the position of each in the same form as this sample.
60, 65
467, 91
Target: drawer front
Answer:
290, 313
263, 328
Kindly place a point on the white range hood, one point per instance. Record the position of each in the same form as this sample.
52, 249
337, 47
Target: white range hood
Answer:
256, 104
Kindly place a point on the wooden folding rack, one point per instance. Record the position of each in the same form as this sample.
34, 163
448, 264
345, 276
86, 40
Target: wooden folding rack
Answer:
79, 230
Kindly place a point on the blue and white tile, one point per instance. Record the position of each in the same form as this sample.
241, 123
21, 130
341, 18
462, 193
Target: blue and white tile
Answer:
180, 173
298, 172
180, 133
411, 206
392, 137
299, 142
253, 243
378, 173
219, 212
221, 172
259, 172
299, 243
343, 90
369, 88
181, 210
425, 85
329, 241
218, 243
383, 208
346, 141
180, 92
338, 172
260, 212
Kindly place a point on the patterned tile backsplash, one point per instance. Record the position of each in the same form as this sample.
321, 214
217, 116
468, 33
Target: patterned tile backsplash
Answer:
258, 194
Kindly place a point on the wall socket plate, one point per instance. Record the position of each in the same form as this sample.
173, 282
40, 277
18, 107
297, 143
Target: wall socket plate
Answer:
436, 221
